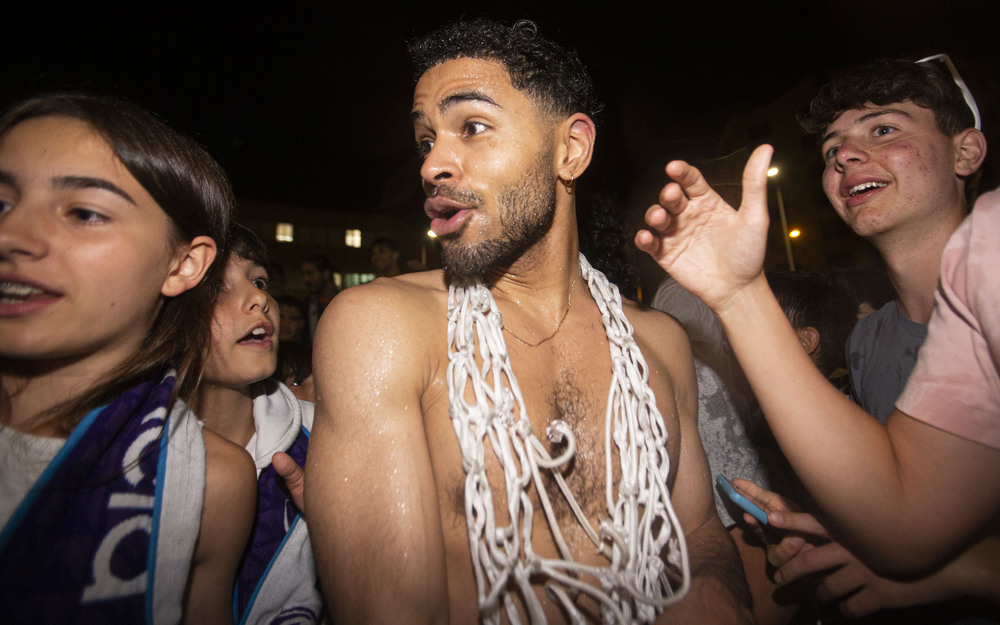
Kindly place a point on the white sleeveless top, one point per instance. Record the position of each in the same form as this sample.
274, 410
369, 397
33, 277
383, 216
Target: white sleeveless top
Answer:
23, 457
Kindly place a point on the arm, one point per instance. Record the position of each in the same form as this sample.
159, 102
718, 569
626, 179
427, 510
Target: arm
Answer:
891, 510
226, 520
370, 493
862, 592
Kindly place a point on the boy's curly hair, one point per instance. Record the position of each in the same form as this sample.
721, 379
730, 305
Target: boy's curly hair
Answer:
887, 81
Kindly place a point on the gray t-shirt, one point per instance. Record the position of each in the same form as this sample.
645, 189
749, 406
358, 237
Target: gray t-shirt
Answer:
725, 440
882, 352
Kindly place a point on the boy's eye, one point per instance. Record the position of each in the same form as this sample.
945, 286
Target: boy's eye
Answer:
830, 153
881, 131
260, 283
5, 206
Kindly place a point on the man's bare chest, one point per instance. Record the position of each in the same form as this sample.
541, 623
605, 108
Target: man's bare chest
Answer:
566, 400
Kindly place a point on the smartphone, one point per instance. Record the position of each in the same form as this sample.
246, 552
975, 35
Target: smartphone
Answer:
750, 507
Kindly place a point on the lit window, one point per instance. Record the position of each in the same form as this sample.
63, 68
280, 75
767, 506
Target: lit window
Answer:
352, 238
285, 232
354, 279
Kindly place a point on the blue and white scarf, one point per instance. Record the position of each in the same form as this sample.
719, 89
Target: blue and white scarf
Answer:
107, 533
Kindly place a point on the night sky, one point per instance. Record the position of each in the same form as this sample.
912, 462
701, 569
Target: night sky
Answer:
306, 103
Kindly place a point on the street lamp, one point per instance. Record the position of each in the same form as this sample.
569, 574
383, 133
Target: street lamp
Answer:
423, 249
785, 234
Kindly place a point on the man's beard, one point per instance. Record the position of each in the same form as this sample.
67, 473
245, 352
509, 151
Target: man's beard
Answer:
525, 211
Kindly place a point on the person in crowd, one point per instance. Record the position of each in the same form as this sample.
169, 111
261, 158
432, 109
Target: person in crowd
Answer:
238, 399
115, 505
908, 209
883, 487
292, 313
276, 285
317, 274
385, 257
460, 460
822, 312
295, 370
911, 219
870, 288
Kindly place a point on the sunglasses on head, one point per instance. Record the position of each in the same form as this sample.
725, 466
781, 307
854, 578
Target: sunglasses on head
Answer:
945, 60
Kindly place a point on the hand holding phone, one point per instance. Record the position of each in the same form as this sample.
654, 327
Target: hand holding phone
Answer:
745, 504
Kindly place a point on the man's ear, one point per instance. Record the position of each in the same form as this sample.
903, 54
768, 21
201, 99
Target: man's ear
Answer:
575, 138
808, 339
189, 266
970, 147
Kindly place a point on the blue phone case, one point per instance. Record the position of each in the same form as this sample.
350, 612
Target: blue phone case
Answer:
741, 501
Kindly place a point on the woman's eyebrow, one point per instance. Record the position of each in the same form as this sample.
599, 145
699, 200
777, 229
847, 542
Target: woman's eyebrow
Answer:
86, 182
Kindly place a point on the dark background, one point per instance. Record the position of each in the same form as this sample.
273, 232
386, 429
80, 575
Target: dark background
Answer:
306, 103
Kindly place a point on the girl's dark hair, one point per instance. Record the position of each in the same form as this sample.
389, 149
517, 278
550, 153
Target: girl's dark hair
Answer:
243, 243
193, 190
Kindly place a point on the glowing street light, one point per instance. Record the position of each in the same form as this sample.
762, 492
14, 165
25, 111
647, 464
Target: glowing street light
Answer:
785, 234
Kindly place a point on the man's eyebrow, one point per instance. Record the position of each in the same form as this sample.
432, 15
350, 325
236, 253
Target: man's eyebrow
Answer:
86, 182
473, 95
869, 117
450, 100
7, 179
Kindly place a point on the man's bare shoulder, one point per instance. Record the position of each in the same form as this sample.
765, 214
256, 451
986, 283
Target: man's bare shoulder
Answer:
652, 325
405, 317
387, 304
664, 345
424, 280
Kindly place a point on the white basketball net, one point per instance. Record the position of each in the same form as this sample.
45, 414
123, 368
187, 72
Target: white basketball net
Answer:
641, 538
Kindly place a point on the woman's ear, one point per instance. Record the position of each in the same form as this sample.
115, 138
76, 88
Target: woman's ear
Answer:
970, 146
575, 146
189, 266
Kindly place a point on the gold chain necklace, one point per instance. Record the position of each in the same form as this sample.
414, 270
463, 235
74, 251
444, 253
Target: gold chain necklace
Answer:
569, 303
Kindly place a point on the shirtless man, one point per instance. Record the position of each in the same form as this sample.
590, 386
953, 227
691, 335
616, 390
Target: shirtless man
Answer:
503, 120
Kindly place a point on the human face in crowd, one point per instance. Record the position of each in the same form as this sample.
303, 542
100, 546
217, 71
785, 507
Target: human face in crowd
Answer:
314, 278
383, 258
487, 169
304, 390
85, 252
244, 328
291, 323
887, 166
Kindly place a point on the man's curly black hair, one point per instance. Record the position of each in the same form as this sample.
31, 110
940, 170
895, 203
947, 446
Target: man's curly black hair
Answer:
888, 81
553, 77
